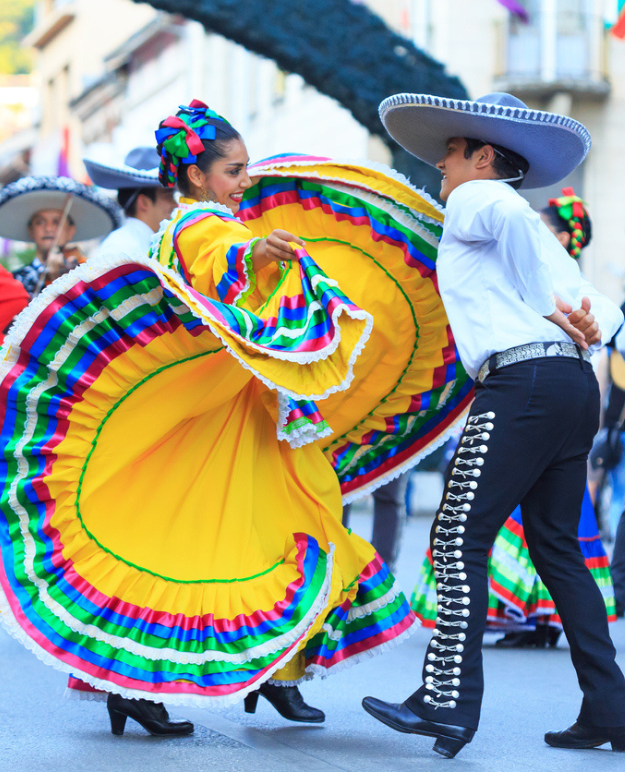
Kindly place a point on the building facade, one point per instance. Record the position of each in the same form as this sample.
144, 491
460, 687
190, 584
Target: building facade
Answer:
109, 71
71, 38
563, 60
171, 61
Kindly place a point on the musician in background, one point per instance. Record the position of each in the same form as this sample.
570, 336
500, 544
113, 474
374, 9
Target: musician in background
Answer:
53, 213
42, 230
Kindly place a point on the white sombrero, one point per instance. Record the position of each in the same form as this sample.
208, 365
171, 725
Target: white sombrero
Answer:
139, 170
92, 212
552, 144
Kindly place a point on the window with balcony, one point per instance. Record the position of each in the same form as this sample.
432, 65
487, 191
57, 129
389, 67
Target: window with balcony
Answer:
561, 49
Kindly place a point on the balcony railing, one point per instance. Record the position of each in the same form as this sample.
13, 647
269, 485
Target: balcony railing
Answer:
559, 51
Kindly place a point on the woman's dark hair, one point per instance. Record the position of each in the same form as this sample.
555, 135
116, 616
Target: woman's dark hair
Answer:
578, 228
127, 198
175, 168
506, 163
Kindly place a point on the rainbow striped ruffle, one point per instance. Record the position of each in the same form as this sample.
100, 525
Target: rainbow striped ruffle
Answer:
304, 329
517, 596
64, 343
121, 358
378, 615
383, 215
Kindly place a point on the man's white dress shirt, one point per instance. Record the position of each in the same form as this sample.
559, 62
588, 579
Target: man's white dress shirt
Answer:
132, 239
499, 267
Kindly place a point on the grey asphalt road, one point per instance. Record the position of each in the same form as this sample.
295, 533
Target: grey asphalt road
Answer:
527, 693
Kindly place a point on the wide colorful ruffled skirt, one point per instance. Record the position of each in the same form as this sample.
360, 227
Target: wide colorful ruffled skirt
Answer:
518, 599
170, 510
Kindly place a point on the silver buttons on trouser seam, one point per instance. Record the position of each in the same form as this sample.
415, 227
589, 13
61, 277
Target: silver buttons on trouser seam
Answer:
453, 602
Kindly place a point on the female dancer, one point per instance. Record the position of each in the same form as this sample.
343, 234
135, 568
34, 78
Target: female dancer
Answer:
519, 603
172, 512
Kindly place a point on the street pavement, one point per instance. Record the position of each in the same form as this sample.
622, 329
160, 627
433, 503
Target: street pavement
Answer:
527, 693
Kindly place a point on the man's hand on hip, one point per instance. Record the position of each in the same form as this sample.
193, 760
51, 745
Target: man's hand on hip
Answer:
582, 320
579, 325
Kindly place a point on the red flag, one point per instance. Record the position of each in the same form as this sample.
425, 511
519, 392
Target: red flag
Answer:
618, 30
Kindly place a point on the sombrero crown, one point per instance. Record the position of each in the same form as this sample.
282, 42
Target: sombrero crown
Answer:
552, 144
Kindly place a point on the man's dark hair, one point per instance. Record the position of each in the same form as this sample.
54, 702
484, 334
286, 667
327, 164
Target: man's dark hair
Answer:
506, 163
127, 198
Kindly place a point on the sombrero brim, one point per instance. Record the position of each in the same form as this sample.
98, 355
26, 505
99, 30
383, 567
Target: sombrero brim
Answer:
93, 213
120, 177
552, 144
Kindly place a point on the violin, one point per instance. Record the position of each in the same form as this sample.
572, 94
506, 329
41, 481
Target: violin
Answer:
73, 256
60, 261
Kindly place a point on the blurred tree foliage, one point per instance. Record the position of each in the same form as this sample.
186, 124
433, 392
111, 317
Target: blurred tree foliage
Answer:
16, 20
340, 47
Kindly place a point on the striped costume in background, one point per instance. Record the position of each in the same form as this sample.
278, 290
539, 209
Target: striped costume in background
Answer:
518, 599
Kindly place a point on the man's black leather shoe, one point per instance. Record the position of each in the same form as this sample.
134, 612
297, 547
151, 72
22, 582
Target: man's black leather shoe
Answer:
450, 739
579, 736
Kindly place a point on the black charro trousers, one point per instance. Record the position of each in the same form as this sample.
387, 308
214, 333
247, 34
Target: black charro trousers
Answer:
526, 441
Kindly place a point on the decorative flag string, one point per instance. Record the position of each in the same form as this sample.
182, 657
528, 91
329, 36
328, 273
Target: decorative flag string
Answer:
516, 9
618, 28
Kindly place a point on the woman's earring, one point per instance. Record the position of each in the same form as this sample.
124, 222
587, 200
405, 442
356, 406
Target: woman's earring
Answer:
204, 196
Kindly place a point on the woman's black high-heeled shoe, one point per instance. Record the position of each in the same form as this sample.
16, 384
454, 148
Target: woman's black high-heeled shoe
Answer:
152, 716
288, 701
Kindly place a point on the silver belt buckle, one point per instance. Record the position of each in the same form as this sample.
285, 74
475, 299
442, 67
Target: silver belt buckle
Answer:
533, 351
483, 372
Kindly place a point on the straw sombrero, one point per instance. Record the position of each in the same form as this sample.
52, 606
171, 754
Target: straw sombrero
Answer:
552, 144
93, 213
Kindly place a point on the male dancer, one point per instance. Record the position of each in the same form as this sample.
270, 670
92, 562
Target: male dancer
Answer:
139, 193
508, 285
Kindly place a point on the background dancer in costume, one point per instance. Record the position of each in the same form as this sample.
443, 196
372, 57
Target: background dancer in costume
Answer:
536, 407
146, 203
53, 212
519, 604
224, 572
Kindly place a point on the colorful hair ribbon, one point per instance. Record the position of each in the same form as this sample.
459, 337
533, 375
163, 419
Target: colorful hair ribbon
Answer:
180, 137
571, 209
